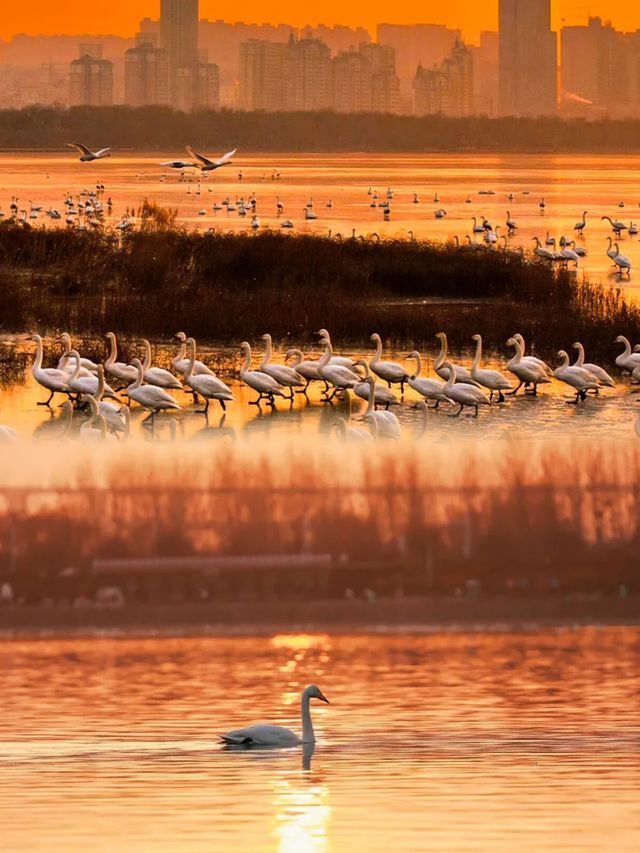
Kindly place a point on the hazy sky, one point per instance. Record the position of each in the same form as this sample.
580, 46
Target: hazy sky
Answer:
121, 16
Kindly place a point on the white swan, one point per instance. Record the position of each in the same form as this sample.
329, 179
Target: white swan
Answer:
440, 366
389, 371
532, 358
541, 252
384, 397
430, 389
268, 735
627, 360
54, 380
181, 362
157, 375
209, 387
266, 386
344, 360
622, 262
116, 417
88, 384
462, 394
150, 397
95, 429
307, 368
493, 380
87, 156
65, 358
576, 377
600, 374
284, 375
207, 165
527, 371
335, 374
387, 424
350, 433
124, 372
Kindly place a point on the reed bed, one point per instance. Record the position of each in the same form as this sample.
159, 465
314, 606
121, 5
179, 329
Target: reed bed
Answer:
507, 518
224, 288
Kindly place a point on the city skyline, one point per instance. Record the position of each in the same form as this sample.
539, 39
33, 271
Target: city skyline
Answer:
44, 18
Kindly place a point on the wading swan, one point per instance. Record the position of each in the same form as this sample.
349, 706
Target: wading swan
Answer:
463, 395
627, 360
54, 380
209, 387
526, 371
493, 380
267, 735
600, 374
388, 371
157, 375
181, 362
337, 375
462, 374
283, 374
119, 370
576, 377
384, 397
430, 389
266, 386
387, 424
150, 397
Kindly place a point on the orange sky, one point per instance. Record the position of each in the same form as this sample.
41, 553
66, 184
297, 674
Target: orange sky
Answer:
121, 16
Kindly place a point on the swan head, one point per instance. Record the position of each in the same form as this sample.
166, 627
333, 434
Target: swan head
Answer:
65, 337
322, 333
266, 337
181, 337
245, 346
476, 338
440, 335
619, 340
511, 342
314, 692
35, 338
562, 354
414, 354
576, 345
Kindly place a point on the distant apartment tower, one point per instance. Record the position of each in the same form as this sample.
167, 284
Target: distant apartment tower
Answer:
365, 80
448, 88
262, 66
307, 70
600, 70
198, 87
91, 79
417, 44
485, 75
179, 32
146, 76
528, 59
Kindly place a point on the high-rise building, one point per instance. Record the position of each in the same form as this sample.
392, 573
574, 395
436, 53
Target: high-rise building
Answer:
179, 32
446, 89
485, 75
197, 87
146, 76
528, 59
90, 82
365, 80
262, 65
417, 44
600, 70
307, 75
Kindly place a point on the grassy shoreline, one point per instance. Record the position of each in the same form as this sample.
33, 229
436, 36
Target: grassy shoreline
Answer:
223, 288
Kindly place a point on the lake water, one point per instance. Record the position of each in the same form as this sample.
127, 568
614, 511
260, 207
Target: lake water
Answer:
444, 742
569, 185
545, 416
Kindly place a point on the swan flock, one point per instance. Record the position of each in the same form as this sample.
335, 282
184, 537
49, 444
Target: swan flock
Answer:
115, 385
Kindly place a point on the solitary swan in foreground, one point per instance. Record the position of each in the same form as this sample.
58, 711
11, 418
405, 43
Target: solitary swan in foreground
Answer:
264, 734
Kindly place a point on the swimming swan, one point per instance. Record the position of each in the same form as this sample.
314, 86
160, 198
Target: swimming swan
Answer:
268, 735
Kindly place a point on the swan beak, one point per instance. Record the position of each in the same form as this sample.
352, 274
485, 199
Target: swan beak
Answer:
323, 698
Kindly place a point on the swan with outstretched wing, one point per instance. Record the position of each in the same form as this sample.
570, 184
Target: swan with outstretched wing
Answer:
86, 154
208, 165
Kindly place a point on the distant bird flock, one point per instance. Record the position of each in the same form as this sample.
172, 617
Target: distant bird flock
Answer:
88, 210
101, 389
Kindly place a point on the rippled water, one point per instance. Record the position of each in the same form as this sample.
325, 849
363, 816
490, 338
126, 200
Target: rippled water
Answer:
450, 742
569, 186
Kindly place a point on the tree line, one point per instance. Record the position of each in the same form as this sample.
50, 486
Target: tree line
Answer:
162, 129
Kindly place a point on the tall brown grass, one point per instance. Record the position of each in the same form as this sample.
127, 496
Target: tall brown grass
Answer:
224, 288
423, 517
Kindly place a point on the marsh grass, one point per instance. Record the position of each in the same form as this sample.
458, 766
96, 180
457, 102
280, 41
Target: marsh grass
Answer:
224, 288
424, 518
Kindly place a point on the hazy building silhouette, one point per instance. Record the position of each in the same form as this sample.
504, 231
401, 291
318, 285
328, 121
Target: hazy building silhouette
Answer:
365, 80
307, 72
179, 32
417, 44
430, 91
528, 59
486, 74
600, 70
197, 87
262, 75
91, 80
146, 76
448, 88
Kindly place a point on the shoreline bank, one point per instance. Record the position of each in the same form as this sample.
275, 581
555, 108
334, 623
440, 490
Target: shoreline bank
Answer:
409, 615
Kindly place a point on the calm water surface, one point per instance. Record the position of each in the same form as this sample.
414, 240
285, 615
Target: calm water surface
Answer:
569, 184
452, 742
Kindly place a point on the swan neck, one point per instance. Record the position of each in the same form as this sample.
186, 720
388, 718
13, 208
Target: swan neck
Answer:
192, 360
247, 360
326, 356
378, 354
37, 365
580, 358
113, 352
478, 355
146, 364
308, 735
138, 381
267, 352
76, 372
418, 359
443, 352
